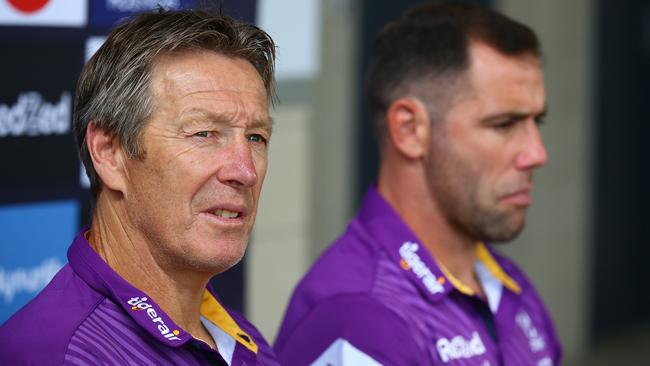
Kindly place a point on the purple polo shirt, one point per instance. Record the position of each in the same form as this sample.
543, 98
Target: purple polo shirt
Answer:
89, 315
376, 296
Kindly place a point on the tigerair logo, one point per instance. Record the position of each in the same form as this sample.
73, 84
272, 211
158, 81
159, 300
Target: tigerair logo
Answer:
412, 261
459, 347
140, 303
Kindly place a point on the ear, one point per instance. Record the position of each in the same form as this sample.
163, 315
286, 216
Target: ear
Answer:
108, 157
408, 127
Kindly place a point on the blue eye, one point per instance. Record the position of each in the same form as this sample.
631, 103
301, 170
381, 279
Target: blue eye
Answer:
202, 134
256, 138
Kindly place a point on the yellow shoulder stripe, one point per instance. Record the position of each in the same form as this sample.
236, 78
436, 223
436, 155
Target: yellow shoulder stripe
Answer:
456, 282
212, 310
484, 256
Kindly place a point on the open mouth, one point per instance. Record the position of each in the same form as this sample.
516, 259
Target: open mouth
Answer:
226, 214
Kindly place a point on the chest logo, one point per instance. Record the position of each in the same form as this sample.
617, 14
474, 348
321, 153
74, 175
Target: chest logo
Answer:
535, 339
412, 261
460, 347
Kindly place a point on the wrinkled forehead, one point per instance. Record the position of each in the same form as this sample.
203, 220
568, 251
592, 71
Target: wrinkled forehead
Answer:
207, 87
190, 71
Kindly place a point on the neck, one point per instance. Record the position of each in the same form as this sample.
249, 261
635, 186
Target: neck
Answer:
405, 189
129, 253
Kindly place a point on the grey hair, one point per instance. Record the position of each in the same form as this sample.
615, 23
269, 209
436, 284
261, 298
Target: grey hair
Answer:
113, 88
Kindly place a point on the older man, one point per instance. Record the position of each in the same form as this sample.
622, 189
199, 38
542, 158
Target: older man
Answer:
172, 123
457, 93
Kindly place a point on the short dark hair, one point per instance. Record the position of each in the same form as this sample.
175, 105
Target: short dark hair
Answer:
113, 89
426, 50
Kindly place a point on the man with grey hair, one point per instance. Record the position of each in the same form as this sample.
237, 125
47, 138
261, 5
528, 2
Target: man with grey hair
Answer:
172, 122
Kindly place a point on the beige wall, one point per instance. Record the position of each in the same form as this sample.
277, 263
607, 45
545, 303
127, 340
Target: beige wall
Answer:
279, 251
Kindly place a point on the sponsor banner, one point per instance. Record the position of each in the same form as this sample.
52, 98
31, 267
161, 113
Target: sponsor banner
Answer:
33, 244
106, 13
44, 13
31, 115
37, 147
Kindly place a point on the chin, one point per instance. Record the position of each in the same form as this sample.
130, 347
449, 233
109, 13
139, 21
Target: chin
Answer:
504, 234
215, 266
216, 257
230, 259
500, 228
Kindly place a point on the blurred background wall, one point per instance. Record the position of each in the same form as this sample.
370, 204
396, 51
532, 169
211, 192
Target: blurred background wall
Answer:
586, 245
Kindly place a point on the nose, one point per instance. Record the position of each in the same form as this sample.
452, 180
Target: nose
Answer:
238, 167
533, 153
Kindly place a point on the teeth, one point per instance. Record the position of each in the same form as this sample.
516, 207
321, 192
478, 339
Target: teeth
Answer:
225, 213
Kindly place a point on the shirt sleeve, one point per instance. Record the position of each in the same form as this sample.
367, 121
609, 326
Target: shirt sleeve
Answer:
349, 330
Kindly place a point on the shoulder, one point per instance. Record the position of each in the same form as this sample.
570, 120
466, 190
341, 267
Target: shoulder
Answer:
336, 307
41, 331
351, 324
347, 266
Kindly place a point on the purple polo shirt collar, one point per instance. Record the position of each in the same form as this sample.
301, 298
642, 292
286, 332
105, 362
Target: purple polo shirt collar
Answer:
406, 249
91, 268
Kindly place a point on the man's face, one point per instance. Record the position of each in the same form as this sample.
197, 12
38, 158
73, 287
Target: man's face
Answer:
194, 193
481, 161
